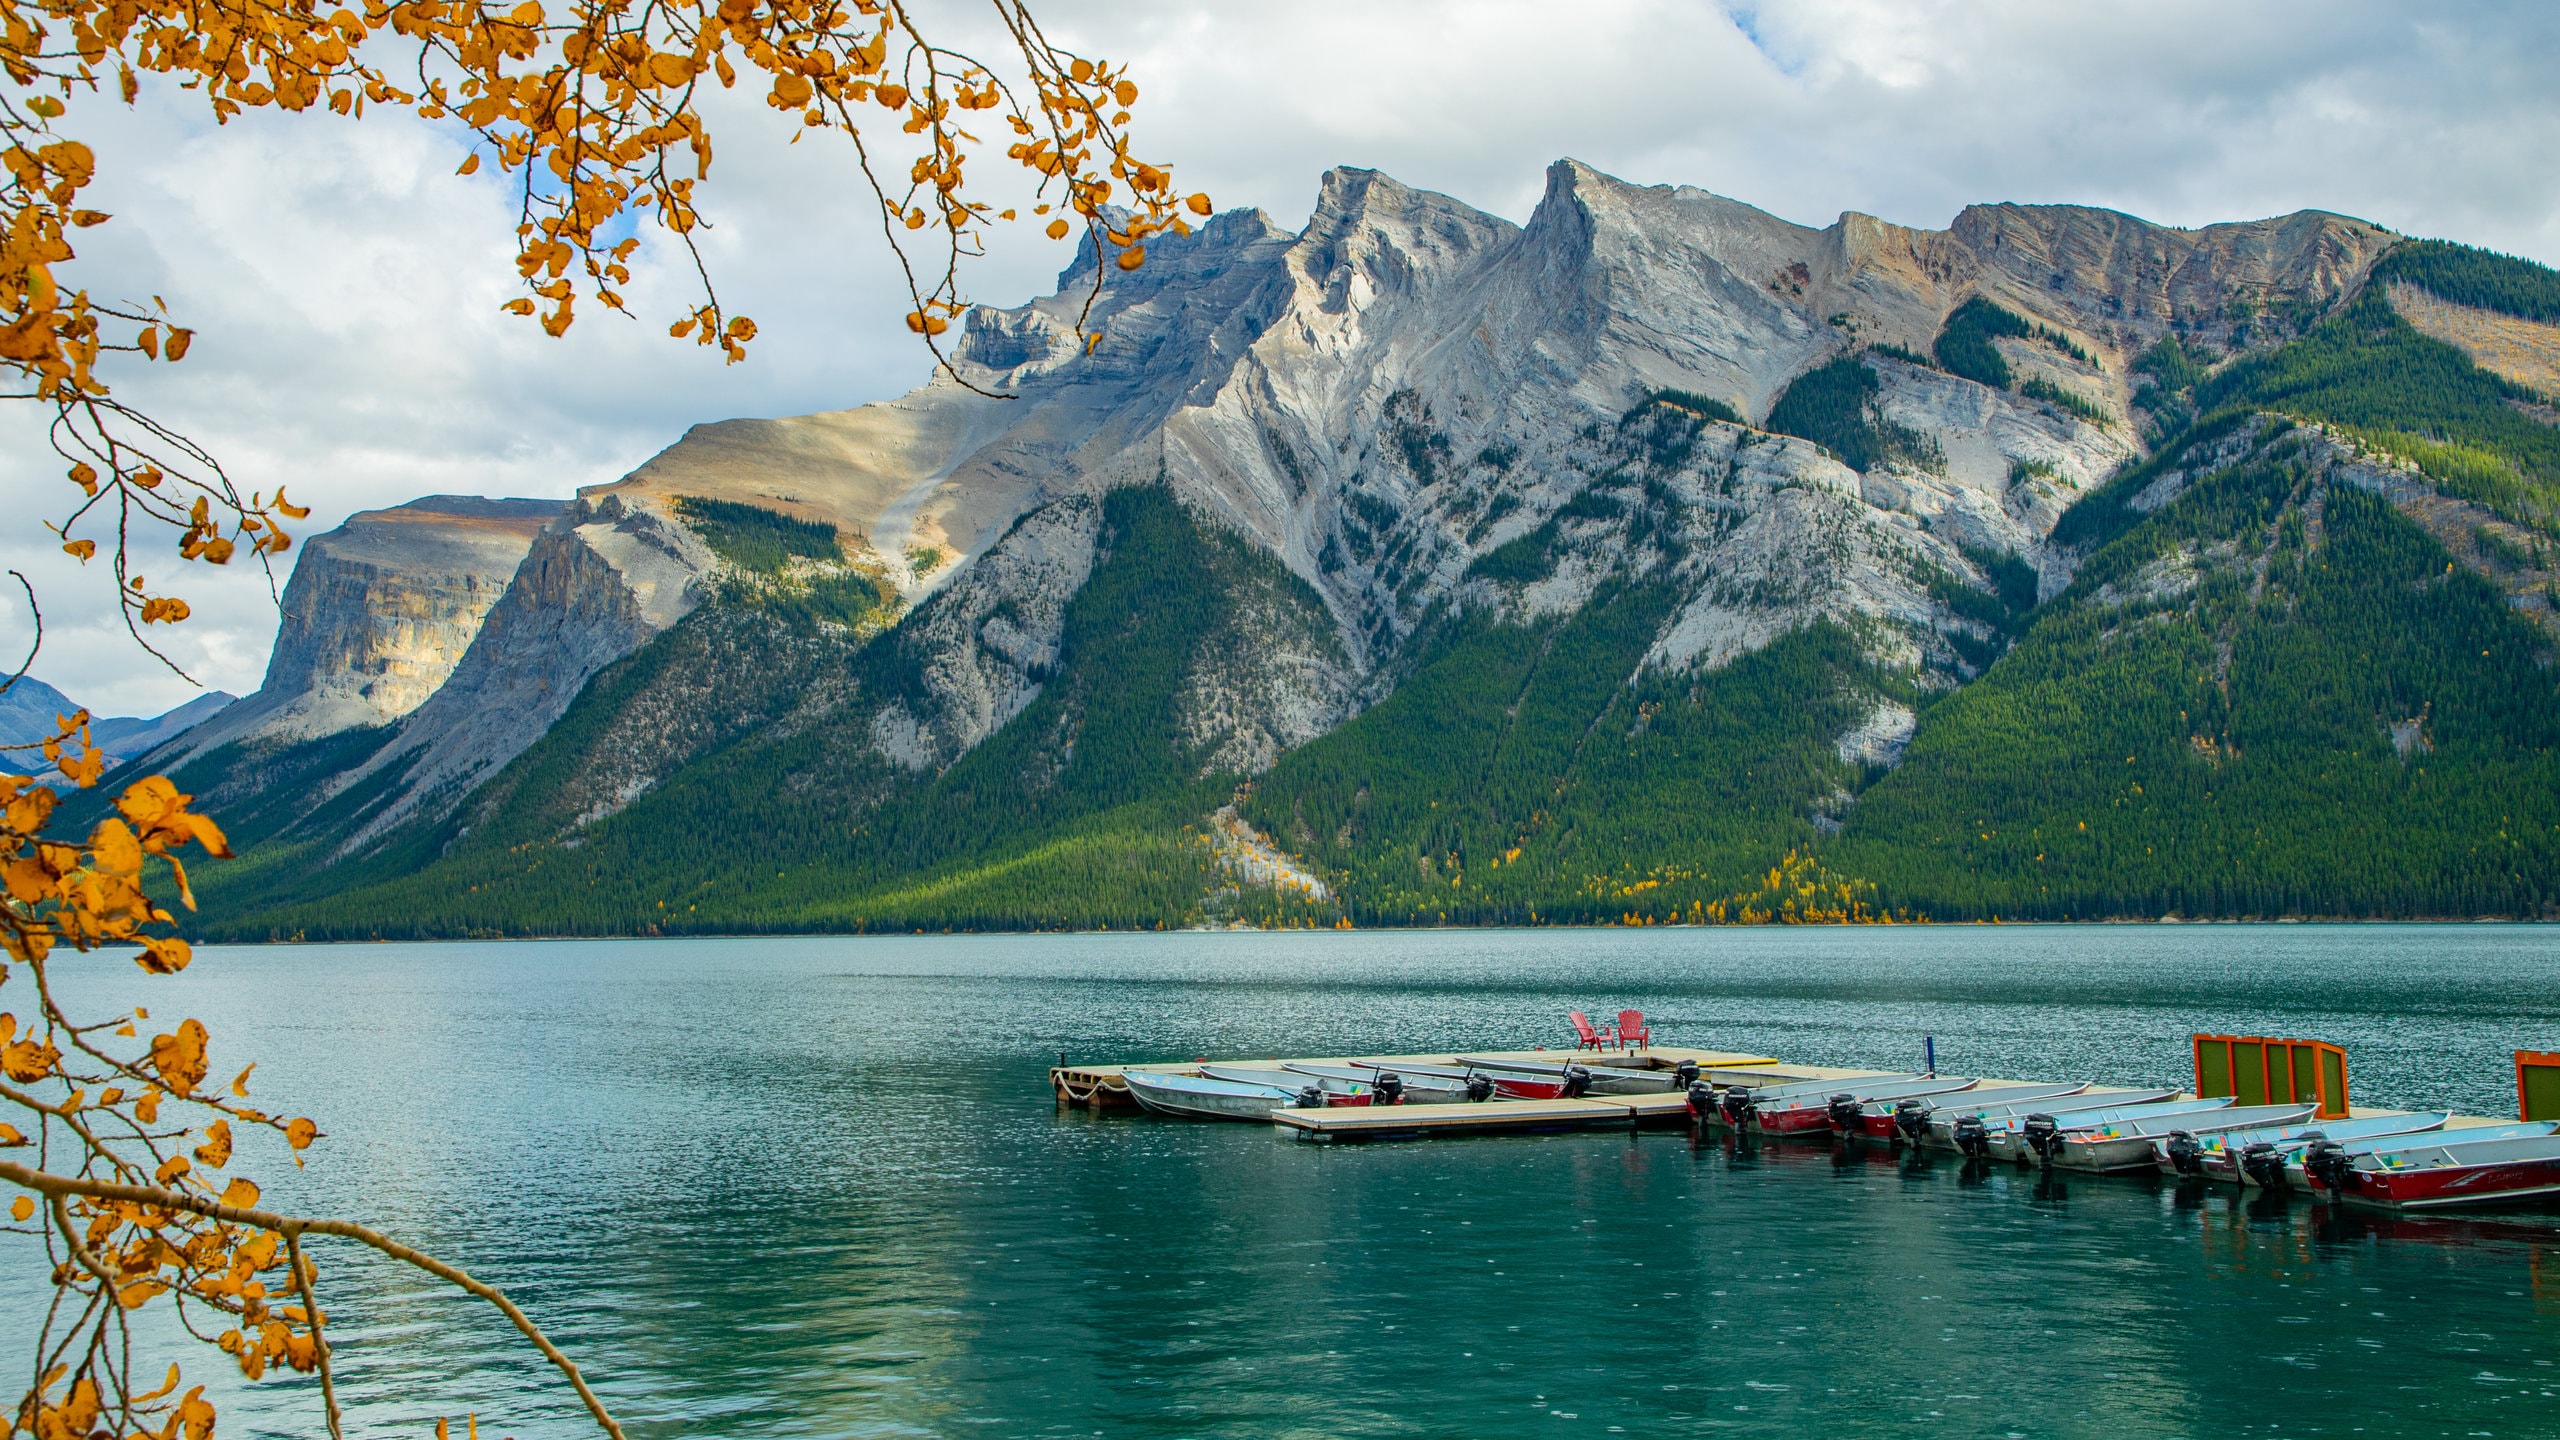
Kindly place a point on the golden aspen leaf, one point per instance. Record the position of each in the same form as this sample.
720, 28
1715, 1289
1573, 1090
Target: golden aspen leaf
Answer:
1057, 229
179, 1058
1199, 204
147, 1108
470, 164
670, 69
216, 1149
1125, 92
23, 1208
300, 1133
241, 1193
149, 340
139, 1293
171, 1168
179, 340
10, 1139
240, 1082
892, 96
1133, 257
81, 549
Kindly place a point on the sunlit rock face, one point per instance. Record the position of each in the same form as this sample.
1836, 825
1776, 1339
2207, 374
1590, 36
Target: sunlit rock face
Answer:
1407, 383
1382, 400
379, 612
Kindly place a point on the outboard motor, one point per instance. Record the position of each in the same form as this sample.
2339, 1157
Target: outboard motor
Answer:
1738, 1106
1576, 1080
2186, 1155
2328, 1162
2044, 1136
1702, 1100
1311, 1098
1911, 1119
1685, 1074
1479, 1087
1845, 1110
1390, 1088
2261, 1163
1973, 1137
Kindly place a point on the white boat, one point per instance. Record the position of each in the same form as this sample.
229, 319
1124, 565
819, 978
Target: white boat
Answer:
1197, 1097
2003, 1137
1603, 1079
1986, 1106
1739, 1102
2253, 1157
1898, 1117
1415, 1089
2131, 1144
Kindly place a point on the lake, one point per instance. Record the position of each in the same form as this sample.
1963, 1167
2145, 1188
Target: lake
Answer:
818, 1187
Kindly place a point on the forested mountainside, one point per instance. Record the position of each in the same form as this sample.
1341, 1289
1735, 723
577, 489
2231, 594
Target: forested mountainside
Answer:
1655, 561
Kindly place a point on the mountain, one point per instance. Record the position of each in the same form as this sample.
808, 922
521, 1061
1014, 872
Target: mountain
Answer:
1656, 559
27, 717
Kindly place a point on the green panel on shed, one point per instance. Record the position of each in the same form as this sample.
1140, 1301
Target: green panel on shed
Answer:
2249, 1073
2542, 1092
2306, 1074
2213, 1069
2333, 1084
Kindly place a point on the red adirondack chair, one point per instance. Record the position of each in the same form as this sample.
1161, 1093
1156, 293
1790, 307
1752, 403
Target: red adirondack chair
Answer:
1632, 1031
1593, 1037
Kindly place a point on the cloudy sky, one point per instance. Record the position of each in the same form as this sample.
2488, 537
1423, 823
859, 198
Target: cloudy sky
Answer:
345, 284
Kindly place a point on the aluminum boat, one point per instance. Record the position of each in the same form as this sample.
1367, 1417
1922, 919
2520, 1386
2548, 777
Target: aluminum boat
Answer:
2003, 1137
1907, 1117
1819, 1113
1197, 1097
2513, 1171
2258, 1156
2113, 1145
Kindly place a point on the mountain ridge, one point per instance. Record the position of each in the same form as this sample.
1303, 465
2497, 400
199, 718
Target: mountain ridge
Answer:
1550, 451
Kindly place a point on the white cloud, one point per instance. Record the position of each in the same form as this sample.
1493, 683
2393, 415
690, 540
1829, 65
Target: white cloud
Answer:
345, 283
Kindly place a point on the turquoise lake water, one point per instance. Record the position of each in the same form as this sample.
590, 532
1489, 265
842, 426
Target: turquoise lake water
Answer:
818, 1187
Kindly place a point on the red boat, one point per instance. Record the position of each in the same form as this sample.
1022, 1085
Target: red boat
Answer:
1820, 1113
2433, 1177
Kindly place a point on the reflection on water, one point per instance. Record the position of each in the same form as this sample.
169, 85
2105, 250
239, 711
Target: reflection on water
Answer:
818, 1187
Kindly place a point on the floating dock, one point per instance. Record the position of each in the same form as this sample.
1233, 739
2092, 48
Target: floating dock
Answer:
1103, 1088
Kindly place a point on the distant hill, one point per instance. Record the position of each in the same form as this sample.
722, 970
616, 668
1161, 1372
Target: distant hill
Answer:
28, 708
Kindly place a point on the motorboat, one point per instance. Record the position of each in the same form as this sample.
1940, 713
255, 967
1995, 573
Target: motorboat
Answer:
1820, 1113
2441, 1175
2258, 1156
2131, 1144
1597, 1079
1476, 1084
1198, 1097
2002, 1137
1413, 1089
2300, 1179
1739, 1102
1939, 1126
1907, 1117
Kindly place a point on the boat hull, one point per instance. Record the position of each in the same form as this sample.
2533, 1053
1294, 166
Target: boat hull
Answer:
2515, 1182
2107, 1154
1196, 1105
